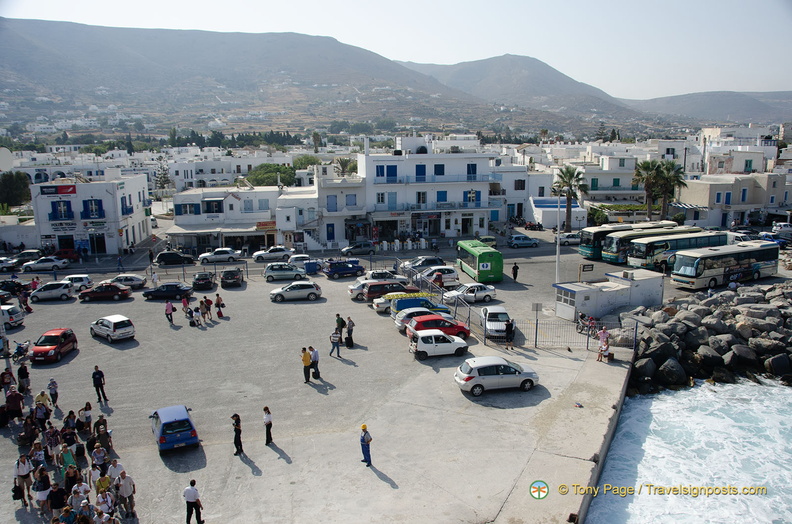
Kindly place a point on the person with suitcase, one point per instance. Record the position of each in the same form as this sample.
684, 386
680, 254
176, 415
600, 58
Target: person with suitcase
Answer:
219, 305
314, 362
350, 325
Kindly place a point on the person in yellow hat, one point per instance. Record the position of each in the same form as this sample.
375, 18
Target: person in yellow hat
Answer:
365, 445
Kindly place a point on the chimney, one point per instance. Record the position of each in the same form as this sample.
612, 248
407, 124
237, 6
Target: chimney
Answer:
366, 145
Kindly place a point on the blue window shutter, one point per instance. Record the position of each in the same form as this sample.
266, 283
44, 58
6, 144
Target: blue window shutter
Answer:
85, 207
197, 209
439, 169
54, 206
478, 194
100, 206
380, 170
177, 209
420, 170
442, 196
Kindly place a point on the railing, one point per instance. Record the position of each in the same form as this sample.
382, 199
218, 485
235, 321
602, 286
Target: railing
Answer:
65, 215
92, 215
147, 202
434, 179
127, 210
434, 206
616, 188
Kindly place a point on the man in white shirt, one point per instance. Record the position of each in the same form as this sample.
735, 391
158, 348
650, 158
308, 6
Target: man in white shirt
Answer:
314, 361
126, 494
114, 469
193, 502
23, 473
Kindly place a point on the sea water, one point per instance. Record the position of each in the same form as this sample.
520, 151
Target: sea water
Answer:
713, 437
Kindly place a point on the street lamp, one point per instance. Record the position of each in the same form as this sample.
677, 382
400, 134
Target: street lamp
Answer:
579, 220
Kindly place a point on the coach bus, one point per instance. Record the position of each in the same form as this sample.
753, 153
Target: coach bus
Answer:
715, 266
591, 237
614, 247
481, 262
653, 252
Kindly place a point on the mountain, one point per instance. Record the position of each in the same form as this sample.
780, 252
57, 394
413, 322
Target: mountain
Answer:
722, 106
528, 82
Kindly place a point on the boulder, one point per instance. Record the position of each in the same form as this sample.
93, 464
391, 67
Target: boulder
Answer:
659, 317
645, 367
696, 337
659, 352
670, 310
738, 300
740, 356
743, 330
761, 324
701, 311
766, 346
715, 324
671, 373
758, 310
688, 317
708, 357
778, 365
690, 363
622, 337
723, 375
721, 344
678, 327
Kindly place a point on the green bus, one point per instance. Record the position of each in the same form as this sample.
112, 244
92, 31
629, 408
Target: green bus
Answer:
481, 262
614, 247
591, 238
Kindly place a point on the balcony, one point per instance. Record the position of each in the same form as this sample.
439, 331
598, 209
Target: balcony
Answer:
436, 206
64, 215
92, 215
147, 202
341, 182
611, 189
127, 210
345, 210
435, 179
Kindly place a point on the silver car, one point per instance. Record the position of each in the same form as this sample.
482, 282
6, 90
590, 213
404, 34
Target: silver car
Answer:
479, 374
493, 320
131, 280
404, 316
45, 264
53, 291
568, 238
296, 291
273, 253
283, 271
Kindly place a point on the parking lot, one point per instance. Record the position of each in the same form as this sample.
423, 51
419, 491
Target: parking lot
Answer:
438, 454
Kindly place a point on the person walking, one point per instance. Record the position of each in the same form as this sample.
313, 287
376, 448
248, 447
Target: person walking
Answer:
52, 387
335, 341
151, 258
23, 473
193, 500
510, 334
99, 384
7, 380
125, 487
219, 305
365, 445
186, 306
14, 404
237, 425
169, 311
340, 322
202, 308
208, 303
350, 326
268, 425
120, 265
515, 271
23, 374
314, 361
57, 498
154, 279
306, 360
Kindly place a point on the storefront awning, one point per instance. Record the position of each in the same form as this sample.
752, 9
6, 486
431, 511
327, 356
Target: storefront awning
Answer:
213, 199
683, 205
205, 229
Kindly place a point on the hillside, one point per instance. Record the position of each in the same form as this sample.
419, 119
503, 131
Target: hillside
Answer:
722, 106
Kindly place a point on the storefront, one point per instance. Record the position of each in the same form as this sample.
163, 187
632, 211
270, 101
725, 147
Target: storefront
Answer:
357, 229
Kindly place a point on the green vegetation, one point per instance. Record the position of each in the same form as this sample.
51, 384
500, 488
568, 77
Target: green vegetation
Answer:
14, 188
304, 161
570, 184
679, 218
267, 175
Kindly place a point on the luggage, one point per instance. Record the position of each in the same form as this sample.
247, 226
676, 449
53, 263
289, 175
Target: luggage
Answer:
80, 450
28, 309
348, 342
219, 313
79, 425
316, 375
192, 323
610, 357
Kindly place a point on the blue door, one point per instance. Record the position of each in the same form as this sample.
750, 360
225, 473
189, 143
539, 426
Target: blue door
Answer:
390, 174
330, 232
332, 203
494, 215
510, 210
420, 173
392, 201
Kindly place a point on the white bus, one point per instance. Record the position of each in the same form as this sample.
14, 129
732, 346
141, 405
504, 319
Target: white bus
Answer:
715, 266
614, 247
653, 252
591, 237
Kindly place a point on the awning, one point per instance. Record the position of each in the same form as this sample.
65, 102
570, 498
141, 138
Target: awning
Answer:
213, 199
682, 205
206, 229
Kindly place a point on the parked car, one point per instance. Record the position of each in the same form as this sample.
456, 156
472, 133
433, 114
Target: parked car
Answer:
403, 317
470, 293
13, 316
449, 327
357, 290
130, 279
52, 345
490, 240
433, 342
62, 290
283, 271
203, 280
232, 277
781, 226
296, 291
418, 263
273, 253
399, 304
567, 239
45, 264
14, 286
515, 241
28, 255
493, 320
173, 258
68, 254
173, 428
773, 237
221, 254
382, 274
359, 248
336, 270
450, 275
299, 260
745, 230
374, 290
5, 297
154, 223
480, 374
79, 282
106, 291
383, 303
8, 264
113, 327
175, 290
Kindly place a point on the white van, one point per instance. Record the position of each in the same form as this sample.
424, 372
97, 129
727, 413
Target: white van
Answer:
113, 327
80, 282
13, 316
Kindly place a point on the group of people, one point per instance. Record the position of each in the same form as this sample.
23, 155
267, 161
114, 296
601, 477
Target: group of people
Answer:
604, 347
50, 473
335, 336
200, 314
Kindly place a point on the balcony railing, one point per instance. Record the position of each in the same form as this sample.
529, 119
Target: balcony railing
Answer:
434, 179
92, 215
435, 206
127, 210
147, 202
616, 188
65, 215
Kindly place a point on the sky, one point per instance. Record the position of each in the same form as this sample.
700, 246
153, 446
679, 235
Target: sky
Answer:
628, 48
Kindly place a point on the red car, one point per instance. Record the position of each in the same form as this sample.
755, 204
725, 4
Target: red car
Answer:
449, 327
106, 291
52, 345
69, 254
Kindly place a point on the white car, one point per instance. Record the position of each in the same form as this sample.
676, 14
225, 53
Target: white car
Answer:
80, 282
45, 264
131, 280
299, 260
382, 274
357, 289
470, 293
493, 320
432, 342
113, 327
404, 316
781, 226
221, 254
12, 316
450, 275
567, 239
7, 264
273, 253
63, 290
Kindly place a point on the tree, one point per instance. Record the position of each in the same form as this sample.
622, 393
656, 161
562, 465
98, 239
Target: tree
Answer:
672, 176
162, 179
14, 188
267, 175
570, 183
317, 141
343, 165
543, 134
172, 137
613, 136
303, 161
647, 173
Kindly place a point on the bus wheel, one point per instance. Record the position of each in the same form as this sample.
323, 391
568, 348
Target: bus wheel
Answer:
712, 283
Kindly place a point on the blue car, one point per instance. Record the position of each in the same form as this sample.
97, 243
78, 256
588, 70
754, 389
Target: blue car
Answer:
336, 270
400, 304
773, 237
173, 428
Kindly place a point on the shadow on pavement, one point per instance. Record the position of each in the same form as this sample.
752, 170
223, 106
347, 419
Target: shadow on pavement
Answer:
251, 464
184, 461
384, 478
281, 454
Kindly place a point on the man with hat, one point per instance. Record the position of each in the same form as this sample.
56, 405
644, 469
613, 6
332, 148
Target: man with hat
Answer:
365, 445
14, 402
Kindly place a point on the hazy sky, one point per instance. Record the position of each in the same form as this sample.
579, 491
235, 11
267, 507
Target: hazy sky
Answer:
628, 48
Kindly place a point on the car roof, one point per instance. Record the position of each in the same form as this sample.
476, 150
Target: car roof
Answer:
425, 332
485, 361
78, 276
433, 316
407, 311
114, 318
171, 413
126, 275
496, 309
56, 331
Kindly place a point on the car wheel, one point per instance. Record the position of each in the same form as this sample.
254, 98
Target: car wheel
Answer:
361, 297
178, 297
27, 269
487, 298
109, 338
477, 390
230, 259
270, 278
462, 335
460, 351
358, 273
7, 326
285, 257
83, 288
34, 299
64, 297
336, 276
58, 357
116, 297
4, 270
260, 259
312, 296
85, 298
387, 310
565, 243
712, 283
297, 276
421, 355
756, 275
278, 298
93, 333
527, 385
371, 252
203, 261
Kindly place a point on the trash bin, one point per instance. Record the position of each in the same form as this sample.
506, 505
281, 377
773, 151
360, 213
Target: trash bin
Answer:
311, 267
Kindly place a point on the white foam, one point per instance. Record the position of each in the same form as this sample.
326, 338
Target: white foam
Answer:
711, 435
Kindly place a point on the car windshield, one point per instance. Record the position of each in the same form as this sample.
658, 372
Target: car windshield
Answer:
515, 366
465, 368
178, 426
48, 340
498, 317
123, 324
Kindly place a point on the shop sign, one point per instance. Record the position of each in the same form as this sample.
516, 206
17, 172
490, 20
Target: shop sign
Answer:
268, 224
397, 214
59, 190
63, 226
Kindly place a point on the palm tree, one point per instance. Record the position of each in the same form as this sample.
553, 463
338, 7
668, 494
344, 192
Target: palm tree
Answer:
672, 176
343, 165
647, 173
570, 183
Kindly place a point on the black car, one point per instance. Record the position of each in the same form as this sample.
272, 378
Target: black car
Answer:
174, 258
14, 286
231, 277
5, 297
203, 280
175, 290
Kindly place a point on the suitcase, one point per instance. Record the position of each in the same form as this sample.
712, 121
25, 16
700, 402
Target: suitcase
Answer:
192, 323
28, 309
219, 313
316, 375
348, 342
80, 450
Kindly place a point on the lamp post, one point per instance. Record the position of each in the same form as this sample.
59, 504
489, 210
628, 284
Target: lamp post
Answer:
558, 244
579, 220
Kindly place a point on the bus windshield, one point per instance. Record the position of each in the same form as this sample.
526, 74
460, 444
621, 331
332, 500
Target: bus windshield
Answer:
586, 238
638, 250
611, 244
686, 265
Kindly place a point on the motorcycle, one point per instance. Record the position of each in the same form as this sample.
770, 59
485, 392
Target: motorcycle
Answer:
587, 325
21, 350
